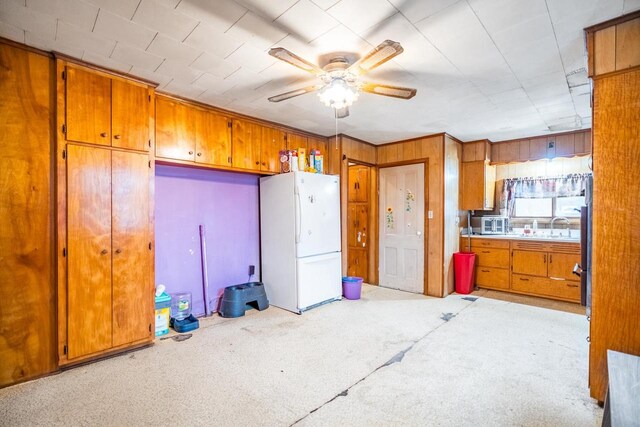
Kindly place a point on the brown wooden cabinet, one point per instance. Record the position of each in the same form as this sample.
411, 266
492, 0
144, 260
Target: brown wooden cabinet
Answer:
256, 147
358, 184
105, 110
109, 292
477, 185
184, 132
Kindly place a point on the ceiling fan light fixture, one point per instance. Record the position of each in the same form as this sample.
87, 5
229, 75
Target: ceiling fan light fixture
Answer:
338, 94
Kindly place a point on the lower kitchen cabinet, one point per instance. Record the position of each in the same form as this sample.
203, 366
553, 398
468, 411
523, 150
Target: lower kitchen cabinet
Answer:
109, 286
558, 289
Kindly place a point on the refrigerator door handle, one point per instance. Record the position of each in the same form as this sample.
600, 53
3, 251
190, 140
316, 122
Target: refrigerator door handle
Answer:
298, 216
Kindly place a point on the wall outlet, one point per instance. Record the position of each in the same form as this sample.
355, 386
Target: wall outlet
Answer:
252, 270
430, 214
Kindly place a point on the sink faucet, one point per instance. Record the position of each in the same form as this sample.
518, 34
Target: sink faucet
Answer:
562, 218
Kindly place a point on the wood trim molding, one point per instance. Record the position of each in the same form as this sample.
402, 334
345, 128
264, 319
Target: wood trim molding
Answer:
100, 69
612, 22
441, 134
25, 47
354, 139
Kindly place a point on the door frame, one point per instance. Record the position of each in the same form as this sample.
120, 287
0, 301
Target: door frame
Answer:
424, 162
373, 206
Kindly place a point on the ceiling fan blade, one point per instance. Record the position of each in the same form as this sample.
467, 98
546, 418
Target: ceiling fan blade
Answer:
294, 93
342, 113
293, 59
378, 56
387, 90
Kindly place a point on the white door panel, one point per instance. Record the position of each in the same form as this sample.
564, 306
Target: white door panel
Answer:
317, 214
319, 279
402, 228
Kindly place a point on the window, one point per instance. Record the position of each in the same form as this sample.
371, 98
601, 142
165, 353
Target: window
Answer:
569, 206
548, 207
525, 208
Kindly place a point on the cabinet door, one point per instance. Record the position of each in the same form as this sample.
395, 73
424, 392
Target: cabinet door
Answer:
213, 138
362, 194
529, 262
245, 144
489, 187
538, 148
295, 141
318, 144
132, 285
472, 190
88, 102
175, 130
358, 263
353, 184
564, 145
273, 141
561, 266
89, 321
130, 105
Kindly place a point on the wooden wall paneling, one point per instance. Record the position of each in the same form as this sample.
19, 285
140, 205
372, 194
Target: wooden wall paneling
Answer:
132, 315
452, 157
88, 106
89, 321
538, 148
27, 292
509, 151
245, 144
615, 323
130, 105
318, 144
175, 130
605, 46
468, 151
582, 143
213, 138
523, 150
273, 140
627, 53
295, 141
388, 154
61, 212
564, 145
333, 156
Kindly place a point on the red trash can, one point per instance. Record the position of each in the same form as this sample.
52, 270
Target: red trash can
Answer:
463, 263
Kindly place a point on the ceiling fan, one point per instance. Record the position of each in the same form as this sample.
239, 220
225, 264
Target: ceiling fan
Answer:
341, 82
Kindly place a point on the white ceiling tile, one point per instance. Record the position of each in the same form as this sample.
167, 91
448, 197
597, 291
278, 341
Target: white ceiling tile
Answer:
219, 14
123, 30
498, 15
151, 76
252, 58
124, 8
175, 87
34, 39
103, 61
358, 15
214, 65
306, 20
12, 33
71, 35
136, 57
213, 84
325, 4
268, 9
78, 13
14, 13
417, 10
166, 47
155, 14
207, 38
340, 39
178, 71
631, 5
255, 30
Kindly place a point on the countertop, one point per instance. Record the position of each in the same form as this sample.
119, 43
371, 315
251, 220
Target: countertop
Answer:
522, 237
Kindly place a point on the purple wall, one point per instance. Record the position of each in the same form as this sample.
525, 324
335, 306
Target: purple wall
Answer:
227, 204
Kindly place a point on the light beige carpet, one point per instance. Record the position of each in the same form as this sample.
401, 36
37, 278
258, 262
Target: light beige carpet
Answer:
391, 358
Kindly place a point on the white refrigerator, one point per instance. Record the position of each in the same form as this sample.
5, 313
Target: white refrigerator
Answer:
300, 239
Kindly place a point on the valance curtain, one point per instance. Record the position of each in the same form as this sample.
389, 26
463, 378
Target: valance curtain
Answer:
532, 188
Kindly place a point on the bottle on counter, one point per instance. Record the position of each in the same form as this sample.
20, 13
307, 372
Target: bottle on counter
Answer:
535, 226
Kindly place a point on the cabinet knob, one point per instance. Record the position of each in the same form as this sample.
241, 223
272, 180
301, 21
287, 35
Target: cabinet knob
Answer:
264, 164
190, 152
116, 136
103, 134
118, 250
199, 154
103, 252
257, 163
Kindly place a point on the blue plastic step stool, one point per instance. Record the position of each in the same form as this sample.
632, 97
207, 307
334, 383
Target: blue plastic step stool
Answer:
235, 299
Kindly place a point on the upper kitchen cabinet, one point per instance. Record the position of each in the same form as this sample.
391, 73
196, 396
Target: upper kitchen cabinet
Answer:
476, 150
185, 132
477, 185
256, 147
106, 110
542, 147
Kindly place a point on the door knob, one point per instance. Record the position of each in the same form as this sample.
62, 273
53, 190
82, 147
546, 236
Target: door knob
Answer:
199, 154
419, 233
190, 152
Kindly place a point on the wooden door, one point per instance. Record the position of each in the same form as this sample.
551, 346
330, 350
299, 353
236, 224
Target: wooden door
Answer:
88, 107
529, 262
175, 130
245, 144
213, 138
132, 285
130, 104
358, 220
89, 298
561, 266
273, 140
401, 227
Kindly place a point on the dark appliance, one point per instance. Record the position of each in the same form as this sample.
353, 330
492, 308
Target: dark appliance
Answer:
584, 268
